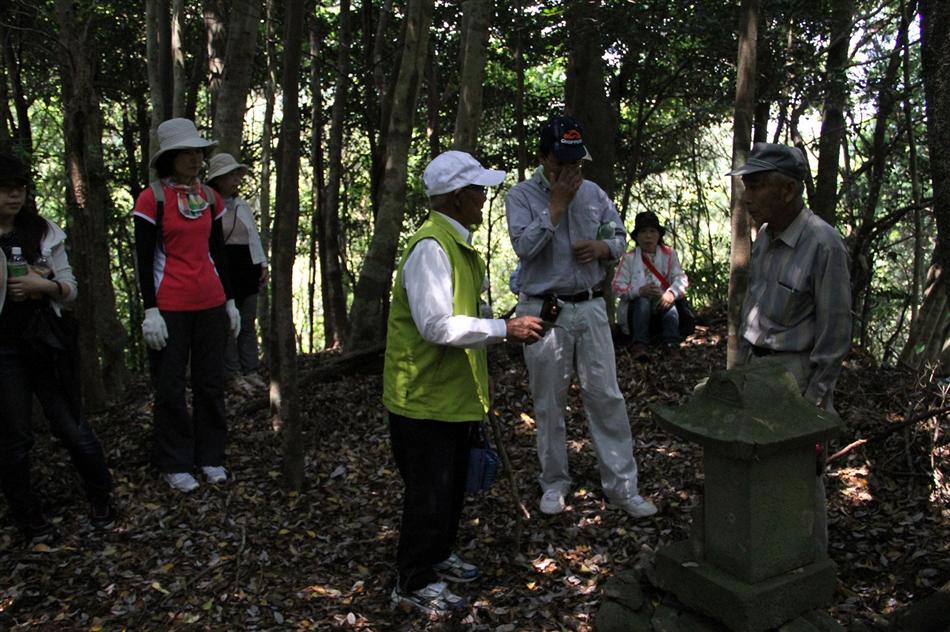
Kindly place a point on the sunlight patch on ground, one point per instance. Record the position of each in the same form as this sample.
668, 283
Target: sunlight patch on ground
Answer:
854, 484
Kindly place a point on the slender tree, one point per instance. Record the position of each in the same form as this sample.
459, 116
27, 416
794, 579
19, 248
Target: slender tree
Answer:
242, 27
102, 343
284, 389
741, 251
368, 314
476, 18
929, 339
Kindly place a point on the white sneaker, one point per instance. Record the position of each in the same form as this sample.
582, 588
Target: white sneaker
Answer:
181, 481
552, 502
637, 506
214, 474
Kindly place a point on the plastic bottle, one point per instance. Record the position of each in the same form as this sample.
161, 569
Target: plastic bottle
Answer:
17, 266
42, 267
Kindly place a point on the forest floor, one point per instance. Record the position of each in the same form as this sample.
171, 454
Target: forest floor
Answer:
248, 555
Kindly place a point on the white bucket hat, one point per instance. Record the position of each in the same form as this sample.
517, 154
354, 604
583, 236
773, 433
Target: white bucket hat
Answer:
452, 170
221, 164
179, 133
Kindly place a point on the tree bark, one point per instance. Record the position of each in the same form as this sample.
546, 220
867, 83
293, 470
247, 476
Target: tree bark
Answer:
102, 343
216, 47
585, 92
334, 296
832, 125
368, 314
519, 92
158, 64
929, 339
476, 18
267, 126
318, 193
284, 396
23, 133
741, 250
243, 25
179, 74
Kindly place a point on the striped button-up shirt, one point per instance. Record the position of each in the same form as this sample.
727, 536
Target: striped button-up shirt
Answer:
799, 298
547, 262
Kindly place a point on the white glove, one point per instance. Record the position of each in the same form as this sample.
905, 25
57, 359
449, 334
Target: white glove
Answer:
154, 329
234, 317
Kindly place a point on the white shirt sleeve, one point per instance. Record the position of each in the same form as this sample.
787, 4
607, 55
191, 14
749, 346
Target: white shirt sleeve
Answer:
427, 277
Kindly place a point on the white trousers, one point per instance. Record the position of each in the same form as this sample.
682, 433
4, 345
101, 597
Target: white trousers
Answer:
579, 342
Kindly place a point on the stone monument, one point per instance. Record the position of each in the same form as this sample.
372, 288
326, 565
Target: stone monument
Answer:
752, 561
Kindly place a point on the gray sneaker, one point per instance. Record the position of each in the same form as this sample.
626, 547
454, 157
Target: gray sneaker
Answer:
455, 569
636, 506
434, 600
552, 502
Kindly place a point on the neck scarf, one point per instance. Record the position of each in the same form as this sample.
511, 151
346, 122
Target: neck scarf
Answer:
190, 203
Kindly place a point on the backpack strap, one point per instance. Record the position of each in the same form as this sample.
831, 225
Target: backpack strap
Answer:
159, 192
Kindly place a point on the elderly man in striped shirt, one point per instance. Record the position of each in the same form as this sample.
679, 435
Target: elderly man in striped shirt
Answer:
797, 309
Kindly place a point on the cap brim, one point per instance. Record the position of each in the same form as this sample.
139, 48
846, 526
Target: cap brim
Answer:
197, 144
754, 165
570, 153
490, 178
222, 172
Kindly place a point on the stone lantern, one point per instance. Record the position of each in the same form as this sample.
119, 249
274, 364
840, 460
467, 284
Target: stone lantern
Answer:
752, 560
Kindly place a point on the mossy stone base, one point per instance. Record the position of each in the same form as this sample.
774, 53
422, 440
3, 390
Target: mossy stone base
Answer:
741, 606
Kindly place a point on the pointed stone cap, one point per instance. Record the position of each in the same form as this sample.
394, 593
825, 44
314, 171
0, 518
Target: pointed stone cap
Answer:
749, 412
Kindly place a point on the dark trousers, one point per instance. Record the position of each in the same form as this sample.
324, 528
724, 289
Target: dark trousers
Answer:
644, 324
432, 457
184, 440
23, 373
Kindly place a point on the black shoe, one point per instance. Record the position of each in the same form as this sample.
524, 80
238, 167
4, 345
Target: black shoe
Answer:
103, 515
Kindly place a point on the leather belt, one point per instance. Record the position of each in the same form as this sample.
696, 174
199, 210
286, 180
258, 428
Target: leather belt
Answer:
580, 297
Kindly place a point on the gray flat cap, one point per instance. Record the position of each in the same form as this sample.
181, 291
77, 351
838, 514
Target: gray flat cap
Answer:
773, 157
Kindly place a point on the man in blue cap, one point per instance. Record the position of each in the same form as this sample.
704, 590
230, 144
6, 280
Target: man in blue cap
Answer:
797, 308
565, 229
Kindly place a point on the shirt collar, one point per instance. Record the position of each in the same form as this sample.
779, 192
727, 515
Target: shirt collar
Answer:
461, 230
541, 179
793, 231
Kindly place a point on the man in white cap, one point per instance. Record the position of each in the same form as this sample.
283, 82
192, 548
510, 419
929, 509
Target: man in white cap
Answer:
564, 229
435, 380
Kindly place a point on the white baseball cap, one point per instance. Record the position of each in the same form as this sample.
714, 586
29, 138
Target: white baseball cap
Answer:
453, 170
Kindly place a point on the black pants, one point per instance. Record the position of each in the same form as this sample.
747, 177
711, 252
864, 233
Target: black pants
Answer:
432, 457
183, 440
23, 373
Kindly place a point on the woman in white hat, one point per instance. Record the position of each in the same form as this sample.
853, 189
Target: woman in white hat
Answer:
247, 266
188, 304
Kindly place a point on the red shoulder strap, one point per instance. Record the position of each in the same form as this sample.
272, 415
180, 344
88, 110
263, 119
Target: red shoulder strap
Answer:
652, 268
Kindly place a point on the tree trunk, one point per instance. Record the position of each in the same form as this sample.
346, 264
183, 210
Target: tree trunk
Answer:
832, 124
23, 134
476, 18
741, 250
216, 46
318, 193
158, 63
929, 339
585, 92
916, 194
433, 102
267, 126
519, 92
368, 315
102, 343
179, 74
334, 296
284, 389
860, 244
243, 24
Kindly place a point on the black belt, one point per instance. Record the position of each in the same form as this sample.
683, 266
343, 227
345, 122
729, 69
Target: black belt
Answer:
580, 297
762, 351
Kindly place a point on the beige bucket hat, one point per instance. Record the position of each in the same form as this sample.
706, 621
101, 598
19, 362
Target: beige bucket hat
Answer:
179, 133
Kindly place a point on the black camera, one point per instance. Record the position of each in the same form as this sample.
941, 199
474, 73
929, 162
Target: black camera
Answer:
550, 309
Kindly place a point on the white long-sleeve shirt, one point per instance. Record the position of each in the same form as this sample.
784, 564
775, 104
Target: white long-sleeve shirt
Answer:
427, 277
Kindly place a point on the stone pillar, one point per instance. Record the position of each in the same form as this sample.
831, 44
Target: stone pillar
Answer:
751, 561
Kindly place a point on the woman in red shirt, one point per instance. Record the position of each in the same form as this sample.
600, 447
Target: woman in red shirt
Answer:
183, 278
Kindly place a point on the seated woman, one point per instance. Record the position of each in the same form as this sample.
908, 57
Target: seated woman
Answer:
648, 281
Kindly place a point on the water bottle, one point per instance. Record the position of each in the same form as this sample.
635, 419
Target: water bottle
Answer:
42, 267
17, 266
